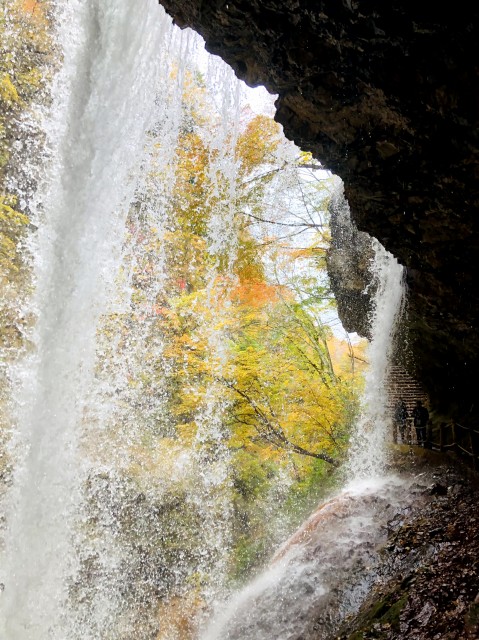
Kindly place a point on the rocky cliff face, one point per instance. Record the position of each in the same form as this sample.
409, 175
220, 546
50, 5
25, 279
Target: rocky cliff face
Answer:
349, 260
386, 95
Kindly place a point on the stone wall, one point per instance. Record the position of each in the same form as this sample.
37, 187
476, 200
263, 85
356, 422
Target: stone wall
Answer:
403, 385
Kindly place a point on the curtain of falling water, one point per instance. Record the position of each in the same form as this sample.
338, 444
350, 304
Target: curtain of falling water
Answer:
213, 459
103, 101
117, 108
115, 591
368, 450
319, 574
138, 450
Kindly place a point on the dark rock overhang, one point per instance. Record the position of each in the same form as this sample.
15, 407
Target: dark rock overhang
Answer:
386, 95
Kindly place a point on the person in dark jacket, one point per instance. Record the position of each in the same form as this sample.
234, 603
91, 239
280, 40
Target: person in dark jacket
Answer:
400, 420
421, 417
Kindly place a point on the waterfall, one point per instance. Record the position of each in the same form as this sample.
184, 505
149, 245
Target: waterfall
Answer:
103, 101
368, 450
84, 555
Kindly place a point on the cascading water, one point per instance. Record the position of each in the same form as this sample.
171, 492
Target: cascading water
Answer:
368, 454
103, 104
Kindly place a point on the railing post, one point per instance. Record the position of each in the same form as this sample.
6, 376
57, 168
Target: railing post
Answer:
454, 440
473, 448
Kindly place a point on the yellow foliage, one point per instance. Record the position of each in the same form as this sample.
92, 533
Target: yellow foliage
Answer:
11, 223
258, 143
8, 92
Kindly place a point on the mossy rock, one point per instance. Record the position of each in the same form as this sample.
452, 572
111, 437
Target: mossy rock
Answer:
377, 615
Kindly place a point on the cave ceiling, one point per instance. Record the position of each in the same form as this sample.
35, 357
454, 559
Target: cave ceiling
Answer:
385, 95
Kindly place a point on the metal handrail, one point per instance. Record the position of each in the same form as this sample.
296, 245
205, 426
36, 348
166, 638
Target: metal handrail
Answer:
472, 451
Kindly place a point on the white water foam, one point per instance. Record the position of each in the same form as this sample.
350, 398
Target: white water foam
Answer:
103, 102
368, 452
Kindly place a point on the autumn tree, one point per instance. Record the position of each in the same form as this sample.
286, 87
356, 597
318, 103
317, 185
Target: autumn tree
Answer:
280, 379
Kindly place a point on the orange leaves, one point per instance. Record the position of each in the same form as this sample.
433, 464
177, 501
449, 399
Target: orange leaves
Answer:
255, 294
33, 7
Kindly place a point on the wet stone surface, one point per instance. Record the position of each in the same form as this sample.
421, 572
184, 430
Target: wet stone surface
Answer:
383, 559
434, 554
